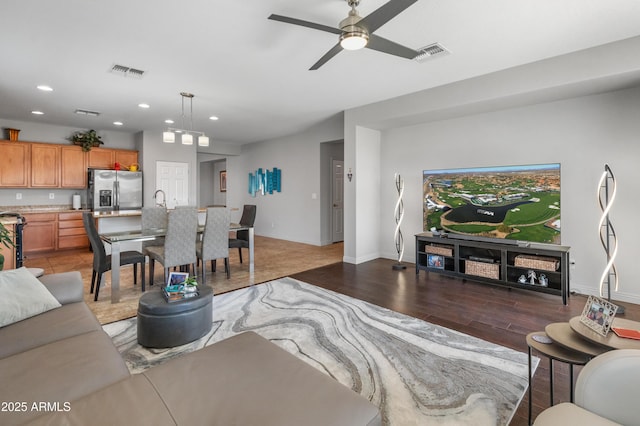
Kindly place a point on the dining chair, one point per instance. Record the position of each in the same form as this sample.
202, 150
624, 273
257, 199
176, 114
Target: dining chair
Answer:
153, 217
242, 236
102, 261
179, 247
214, 244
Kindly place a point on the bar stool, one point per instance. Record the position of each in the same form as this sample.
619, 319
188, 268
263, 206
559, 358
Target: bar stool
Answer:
544, 345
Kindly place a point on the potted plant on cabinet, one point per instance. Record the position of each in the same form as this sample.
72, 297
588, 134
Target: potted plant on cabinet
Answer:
87, 140
6, 240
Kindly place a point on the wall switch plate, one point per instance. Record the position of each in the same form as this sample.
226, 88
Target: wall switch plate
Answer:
18, 195
52, 195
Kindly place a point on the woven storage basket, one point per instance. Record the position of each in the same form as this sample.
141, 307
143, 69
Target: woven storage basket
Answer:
482, 269
443, 251
537, 262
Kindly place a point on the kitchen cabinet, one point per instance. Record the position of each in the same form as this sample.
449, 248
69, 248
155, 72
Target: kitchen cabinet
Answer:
126, 158
14, 164
101, 158
45, 165
71, 232
73, 167
40, 232
104, 158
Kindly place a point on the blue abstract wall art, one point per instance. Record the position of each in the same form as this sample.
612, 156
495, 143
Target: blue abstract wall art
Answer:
265, 181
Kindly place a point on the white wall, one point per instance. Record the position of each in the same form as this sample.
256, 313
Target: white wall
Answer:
582, 134
295, 213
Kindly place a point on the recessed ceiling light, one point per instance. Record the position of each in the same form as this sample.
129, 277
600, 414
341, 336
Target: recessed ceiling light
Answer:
45, 88
144, 106
168, 121
37, 112
214, 118
118, 123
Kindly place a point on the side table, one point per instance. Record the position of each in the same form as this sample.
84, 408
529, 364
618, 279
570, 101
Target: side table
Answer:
555, 352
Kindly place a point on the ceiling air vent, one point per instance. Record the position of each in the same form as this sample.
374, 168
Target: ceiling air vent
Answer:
430, 52
127, 71
87, 112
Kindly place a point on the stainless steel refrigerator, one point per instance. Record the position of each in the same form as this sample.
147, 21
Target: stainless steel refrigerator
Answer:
114, 190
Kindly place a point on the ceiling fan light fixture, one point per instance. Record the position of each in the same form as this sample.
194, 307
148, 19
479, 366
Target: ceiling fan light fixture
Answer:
355, 39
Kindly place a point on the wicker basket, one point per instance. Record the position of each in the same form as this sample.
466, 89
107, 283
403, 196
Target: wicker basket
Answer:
537, 262
482, 269
441, 250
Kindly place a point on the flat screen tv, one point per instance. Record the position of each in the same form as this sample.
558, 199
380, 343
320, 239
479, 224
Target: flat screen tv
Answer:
510, 202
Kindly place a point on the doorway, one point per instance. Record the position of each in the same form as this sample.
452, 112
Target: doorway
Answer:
173, 179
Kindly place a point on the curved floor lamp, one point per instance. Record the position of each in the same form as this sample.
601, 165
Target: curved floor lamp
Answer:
608, 238
399, 215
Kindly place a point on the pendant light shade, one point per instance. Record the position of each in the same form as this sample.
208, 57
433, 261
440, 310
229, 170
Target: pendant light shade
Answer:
187, 139
168, 137
203, 140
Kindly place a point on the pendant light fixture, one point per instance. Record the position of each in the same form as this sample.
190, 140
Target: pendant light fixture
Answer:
169, 136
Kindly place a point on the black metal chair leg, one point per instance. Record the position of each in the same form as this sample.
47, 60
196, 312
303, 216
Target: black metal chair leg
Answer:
135, 274
142, 267
98, 283
226, 267
151, 267
93, 280
240, 253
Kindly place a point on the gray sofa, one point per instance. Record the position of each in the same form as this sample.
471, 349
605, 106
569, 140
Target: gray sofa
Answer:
60, 367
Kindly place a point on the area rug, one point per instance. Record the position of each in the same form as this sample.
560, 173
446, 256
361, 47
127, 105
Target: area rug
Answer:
416, 372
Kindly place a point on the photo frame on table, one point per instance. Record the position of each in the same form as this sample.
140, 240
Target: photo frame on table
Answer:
223, 181
435, 261
177, 278
598, 315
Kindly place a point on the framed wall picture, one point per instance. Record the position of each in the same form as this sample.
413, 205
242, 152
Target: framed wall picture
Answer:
435, 261
223, 181
598, 315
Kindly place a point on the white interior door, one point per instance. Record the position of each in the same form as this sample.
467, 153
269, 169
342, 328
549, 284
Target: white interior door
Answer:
337, 191
173, 178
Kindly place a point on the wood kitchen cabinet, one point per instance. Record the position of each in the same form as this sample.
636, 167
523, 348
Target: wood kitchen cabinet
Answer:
104, 158
101, 158
73, 167
14, 164
71, 232
40, 232
126, 158
45, 165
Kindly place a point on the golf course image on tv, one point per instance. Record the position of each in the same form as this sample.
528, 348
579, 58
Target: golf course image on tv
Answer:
509, 202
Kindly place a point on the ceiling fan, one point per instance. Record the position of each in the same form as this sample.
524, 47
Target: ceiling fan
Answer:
356, 32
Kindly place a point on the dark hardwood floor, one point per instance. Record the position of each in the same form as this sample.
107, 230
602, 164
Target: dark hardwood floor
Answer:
492, 313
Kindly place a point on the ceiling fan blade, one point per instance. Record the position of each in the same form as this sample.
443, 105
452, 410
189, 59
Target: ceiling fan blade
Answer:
387, 46
330, 54
384, 14
307, 24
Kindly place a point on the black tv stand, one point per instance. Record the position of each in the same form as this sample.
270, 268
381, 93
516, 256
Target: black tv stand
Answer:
512, 264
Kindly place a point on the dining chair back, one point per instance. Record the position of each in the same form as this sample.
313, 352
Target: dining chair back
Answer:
102, 261
215, 240
179, 244
242, 236
153, 217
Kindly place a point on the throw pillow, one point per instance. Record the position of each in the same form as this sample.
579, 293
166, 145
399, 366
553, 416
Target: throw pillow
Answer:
23, 296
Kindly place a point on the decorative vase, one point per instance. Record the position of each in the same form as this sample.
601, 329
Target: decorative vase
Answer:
13, 134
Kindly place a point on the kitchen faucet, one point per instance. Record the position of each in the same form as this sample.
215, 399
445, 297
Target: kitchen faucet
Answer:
164, 199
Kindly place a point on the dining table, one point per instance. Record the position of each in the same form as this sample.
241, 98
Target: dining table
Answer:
114, 239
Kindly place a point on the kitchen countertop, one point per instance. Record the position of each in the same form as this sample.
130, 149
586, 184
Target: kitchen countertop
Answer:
54, 208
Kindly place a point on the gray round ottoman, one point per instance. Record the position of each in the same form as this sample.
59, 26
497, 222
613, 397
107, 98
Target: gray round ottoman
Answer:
164, 325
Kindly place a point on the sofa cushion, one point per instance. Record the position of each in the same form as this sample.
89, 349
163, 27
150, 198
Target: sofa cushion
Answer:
67, 321
23, 296
67, 287
568, 414
59, 372
255, 382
